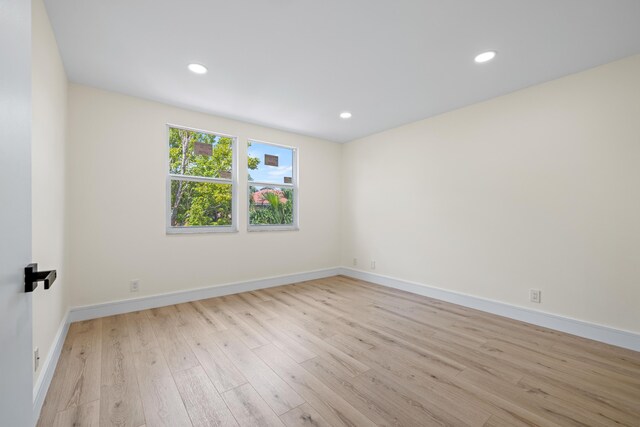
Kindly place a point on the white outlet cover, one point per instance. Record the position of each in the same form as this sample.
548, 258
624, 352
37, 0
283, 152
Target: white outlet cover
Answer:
535, 295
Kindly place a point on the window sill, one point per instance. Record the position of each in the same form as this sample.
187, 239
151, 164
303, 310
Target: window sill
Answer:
200, 230
260, 228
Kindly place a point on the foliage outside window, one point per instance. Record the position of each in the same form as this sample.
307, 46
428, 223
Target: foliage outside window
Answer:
272, 187
200, 181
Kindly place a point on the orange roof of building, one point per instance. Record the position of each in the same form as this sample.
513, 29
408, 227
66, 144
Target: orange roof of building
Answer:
258, 197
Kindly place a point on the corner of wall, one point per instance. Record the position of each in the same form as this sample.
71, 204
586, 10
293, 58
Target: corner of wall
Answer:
49, 194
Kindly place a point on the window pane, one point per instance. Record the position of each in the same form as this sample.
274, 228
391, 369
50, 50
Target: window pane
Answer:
270, 206
200, 204
270, 164
200, 154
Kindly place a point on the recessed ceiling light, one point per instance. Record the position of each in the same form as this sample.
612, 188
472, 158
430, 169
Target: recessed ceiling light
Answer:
345, 115
485, 56
197, 68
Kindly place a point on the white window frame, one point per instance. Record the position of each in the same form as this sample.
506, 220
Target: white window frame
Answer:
294, 186
233, 228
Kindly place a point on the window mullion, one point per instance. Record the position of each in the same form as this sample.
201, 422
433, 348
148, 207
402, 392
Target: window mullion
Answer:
200, 179
270, 184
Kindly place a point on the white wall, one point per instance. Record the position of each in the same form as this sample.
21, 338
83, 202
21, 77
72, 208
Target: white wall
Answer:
49, 117
116, 168
536, 189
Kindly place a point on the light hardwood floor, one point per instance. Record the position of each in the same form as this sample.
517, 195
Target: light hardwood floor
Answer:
337, 352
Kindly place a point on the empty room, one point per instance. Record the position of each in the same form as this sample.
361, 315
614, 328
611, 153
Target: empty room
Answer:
319, 213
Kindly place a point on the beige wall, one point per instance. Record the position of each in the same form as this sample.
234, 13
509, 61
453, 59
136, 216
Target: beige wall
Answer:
49, 116
536, 189
116, 168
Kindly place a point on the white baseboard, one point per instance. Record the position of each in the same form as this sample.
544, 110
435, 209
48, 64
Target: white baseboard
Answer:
49, 367
153, 301
580, 328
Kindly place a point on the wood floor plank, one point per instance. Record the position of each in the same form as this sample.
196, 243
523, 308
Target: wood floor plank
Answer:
421, 381
120, 403
496, 421
625, 366
538, 364
140, 331
203, 402
277, 337
321, 347
248, 335
214, 321
235, 303
70, 379
275, 391
451, 356
50, 406
257, 295
331, 406
86, 415
221, 371
304, 416
378, 409
162, 403
420, 358
420, 323
382, 400
335, 351
82, 376
405, 300
318, 322
583, 402
150, 363
624, 384
249, 409
175, 349
257, 307
177, 353
194, 319
416, 405
319, 306
553, 411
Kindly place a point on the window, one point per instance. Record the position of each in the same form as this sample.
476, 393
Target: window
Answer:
273, 187
200, 181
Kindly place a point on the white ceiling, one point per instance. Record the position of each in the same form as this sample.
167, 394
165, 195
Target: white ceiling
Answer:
296, 64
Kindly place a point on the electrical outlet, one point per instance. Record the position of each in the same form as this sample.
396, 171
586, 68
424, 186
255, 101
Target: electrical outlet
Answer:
373, 265
535, 295
134, 285
36, 359
355, 261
